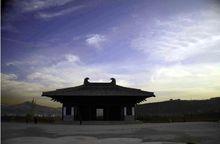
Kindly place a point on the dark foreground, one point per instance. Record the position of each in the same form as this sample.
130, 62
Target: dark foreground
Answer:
153, 133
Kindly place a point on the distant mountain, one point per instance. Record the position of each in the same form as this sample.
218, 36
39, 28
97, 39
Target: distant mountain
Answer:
23, 108
179, 108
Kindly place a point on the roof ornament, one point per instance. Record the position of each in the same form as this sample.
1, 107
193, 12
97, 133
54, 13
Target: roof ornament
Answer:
113, 81
86, 81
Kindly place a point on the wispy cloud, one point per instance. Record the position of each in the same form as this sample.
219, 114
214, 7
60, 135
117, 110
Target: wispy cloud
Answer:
8, 76
33, 5
181, 37
192, 81
19, 63
36, 60
72, 58
69, 71
174, 81
47, 15
10, 28
14, 90
95, 40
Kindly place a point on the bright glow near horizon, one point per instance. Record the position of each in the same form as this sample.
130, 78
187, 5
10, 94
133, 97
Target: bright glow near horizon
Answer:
169, 47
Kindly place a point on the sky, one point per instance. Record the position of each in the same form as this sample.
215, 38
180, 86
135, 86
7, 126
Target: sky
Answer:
170, 47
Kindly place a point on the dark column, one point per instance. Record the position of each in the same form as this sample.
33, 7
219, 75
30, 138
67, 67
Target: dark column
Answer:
90, 112
62, 112
93, 114
75, 112
107, 112
122, 112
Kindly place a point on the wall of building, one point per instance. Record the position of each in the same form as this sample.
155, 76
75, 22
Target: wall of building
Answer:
89, 112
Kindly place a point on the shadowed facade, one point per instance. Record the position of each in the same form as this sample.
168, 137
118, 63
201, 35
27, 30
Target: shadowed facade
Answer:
98, 101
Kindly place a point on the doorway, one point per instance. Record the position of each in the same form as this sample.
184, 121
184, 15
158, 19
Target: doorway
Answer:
100, 114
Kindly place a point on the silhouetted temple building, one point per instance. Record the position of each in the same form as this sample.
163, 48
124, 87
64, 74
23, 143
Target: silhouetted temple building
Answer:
98, 101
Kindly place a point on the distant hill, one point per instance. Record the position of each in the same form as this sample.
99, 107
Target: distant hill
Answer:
173, 108
23, 108
180, 108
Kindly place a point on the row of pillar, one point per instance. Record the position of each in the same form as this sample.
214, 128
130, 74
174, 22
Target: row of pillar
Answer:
64, 111
72, 111
132, 111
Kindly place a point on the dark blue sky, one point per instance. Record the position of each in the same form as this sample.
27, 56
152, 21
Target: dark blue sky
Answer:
170, 47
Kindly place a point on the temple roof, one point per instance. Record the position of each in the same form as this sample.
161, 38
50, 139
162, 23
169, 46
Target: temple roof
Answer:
98, 89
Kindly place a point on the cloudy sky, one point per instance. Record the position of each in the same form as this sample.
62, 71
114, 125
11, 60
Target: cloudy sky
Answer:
170, 47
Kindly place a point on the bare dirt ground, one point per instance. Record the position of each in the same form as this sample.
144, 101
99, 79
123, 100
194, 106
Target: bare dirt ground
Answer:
148, 133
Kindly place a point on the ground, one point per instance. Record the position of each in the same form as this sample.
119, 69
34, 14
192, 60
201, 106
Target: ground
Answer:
147, 133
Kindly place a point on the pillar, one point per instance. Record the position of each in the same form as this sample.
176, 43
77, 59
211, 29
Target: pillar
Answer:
132, 112
64, 111
125, 111
72, 111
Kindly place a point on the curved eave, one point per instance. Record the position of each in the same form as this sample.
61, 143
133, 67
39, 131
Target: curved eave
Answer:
60, 98
94, 95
